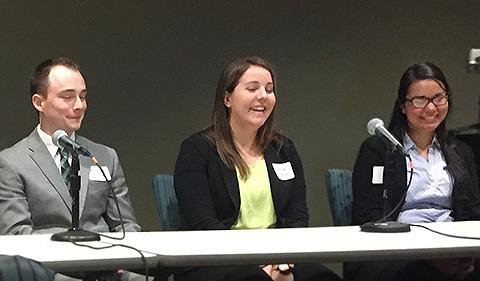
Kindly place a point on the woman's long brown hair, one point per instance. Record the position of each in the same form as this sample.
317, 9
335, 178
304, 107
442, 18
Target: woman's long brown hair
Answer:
220, 132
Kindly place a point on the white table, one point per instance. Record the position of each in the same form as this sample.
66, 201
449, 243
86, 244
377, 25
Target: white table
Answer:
235, 247
319, 244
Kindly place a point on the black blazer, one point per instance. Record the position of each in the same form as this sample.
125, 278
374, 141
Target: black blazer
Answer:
208, 192
368, 201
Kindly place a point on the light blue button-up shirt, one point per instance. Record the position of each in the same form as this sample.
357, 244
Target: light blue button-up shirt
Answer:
429, 197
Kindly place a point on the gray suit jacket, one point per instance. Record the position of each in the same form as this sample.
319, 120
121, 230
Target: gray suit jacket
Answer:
35, 199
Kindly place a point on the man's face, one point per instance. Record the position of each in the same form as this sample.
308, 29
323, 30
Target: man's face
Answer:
64, 104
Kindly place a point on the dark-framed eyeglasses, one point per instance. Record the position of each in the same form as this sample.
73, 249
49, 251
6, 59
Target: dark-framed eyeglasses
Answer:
423, 101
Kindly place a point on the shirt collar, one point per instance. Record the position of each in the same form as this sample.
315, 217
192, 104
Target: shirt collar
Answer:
409, 144
47, 140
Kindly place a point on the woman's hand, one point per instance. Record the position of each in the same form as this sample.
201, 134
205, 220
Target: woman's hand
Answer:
279, 272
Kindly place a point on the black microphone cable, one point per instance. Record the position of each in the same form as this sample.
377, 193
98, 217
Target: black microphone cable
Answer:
144, 261
142, 256
384, 224
402, 199
122, 224
445, 234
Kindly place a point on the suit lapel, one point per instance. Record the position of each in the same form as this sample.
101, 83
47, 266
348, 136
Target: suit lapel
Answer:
399, 186
231, 182
40, 155
271, 156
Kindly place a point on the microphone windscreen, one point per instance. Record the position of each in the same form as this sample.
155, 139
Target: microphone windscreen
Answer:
373, 124
57, 135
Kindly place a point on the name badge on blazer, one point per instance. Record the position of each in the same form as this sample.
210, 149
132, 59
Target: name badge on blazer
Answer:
377, 175
284, 171
96, 175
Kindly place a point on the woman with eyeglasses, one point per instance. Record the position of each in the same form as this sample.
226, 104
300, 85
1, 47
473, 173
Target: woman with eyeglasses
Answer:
443, 187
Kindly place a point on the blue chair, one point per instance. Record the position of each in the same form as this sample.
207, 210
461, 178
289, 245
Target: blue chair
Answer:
167, 204
339, 190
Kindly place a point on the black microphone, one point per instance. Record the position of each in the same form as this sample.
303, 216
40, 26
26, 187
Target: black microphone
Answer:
377, 127
61, 139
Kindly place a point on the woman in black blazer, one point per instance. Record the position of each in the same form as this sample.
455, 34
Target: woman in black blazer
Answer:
208, 190
444, 186
215, 164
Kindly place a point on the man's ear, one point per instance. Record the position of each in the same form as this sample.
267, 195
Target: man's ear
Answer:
37, 101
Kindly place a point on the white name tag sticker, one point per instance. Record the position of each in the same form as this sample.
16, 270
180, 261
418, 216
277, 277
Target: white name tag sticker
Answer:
96, 175
377, 175
284, 171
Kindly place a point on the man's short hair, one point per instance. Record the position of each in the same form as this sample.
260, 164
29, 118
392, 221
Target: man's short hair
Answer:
39, 80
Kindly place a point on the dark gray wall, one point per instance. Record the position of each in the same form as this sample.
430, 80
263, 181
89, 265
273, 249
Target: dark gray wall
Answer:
152, 67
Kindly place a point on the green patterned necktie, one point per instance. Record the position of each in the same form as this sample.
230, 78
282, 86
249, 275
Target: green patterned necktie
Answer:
65, 166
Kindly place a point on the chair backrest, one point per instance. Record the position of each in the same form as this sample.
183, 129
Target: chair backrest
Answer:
167, 204
339, 190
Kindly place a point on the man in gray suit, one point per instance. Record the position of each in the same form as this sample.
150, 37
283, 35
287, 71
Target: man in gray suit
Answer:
34, 197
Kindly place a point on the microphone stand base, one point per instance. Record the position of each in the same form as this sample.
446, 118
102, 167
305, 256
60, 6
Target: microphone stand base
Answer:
386, 227
76, 235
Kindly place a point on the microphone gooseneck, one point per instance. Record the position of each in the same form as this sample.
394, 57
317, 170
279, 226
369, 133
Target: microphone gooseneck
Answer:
377, 127
61, 140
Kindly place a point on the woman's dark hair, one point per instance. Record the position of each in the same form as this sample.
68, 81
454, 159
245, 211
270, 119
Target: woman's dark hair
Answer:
399, 124
422, 71
220, 132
